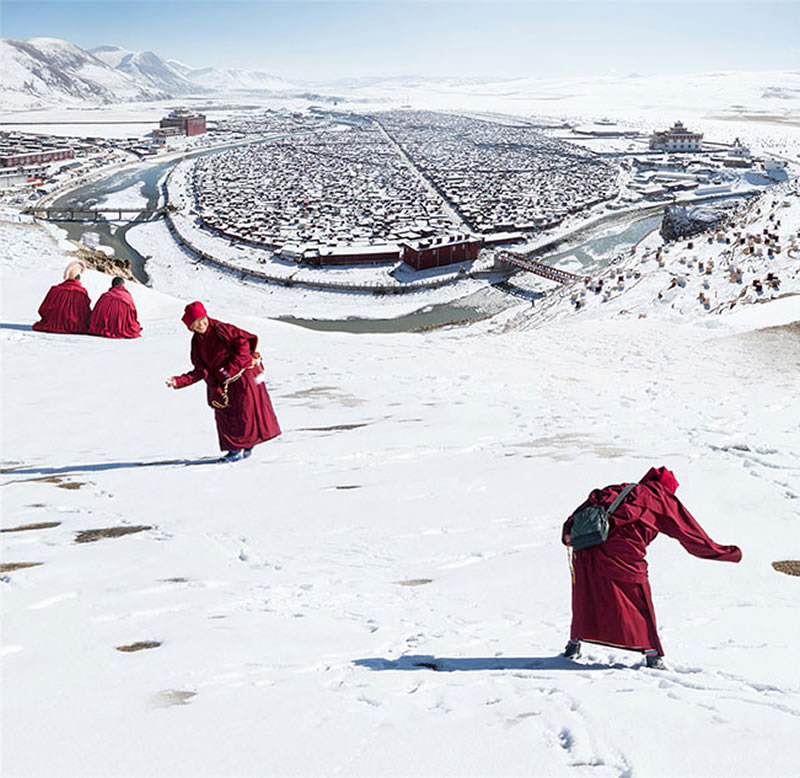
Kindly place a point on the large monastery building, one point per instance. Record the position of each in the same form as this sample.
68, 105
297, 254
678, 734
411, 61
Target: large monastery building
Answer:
184, 122
677, 138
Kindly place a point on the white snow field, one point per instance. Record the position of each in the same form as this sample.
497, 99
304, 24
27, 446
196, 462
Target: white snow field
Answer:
382, 590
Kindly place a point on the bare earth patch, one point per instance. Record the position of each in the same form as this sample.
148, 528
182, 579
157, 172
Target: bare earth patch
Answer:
789, 566
8, 567
415, 581
26, 527
53, 479
333, 428
140, 645
91, 535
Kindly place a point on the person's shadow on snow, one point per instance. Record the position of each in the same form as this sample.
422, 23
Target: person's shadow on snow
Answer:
21, 327
444, 664
45, 470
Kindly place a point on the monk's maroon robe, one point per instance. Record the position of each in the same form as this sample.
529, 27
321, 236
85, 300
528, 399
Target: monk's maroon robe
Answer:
65, 308
220, 353
611, 598
114, 315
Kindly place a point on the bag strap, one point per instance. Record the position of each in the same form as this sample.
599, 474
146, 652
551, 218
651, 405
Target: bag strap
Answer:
621, 498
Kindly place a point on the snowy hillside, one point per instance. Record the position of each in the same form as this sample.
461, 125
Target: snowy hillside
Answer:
382, 590
751, 258
227, 79
146, 68
45, 71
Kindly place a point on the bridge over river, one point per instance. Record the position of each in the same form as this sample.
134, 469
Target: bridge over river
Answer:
521, 262
84, 214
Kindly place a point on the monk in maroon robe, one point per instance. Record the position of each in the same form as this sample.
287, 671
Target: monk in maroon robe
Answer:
611, 598
114, 314
66, 306
225, 357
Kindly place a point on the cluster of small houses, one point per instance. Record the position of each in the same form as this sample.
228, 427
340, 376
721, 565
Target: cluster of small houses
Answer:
30, 164
334, 193
266, 123
347, 194
501, 177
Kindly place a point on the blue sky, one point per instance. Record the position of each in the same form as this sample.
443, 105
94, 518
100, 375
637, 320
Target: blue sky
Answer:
328, 40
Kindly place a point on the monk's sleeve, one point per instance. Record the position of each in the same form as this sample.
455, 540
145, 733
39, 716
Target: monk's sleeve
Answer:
193, 376
674, 520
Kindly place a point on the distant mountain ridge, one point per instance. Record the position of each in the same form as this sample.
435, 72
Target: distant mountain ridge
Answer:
47, 71
42, 72
231, 78
148, 69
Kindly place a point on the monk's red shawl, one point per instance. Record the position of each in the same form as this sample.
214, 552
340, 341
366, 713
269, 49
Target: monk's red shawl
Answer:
65, 308
114, 315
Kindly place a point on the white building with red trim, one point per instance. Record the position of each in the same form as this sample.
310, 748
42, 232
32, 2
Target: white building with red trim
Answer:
677, 138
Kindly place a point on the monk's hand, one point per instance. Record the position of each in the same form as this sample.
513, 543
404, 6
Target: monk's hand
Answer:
171, 383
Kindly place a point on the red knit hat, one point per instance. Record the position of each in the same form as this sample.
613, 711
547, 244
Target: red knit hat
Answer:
193, 312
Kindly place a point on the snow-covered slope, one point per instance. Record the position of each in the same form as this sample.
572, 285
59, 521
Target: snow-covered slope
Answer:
382, 590
751, 258
146, 68
227, 79
45, 71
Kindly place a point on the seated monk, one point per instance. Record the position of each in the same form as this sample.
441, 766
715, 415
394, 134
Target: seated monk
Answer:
66, 306
114, 314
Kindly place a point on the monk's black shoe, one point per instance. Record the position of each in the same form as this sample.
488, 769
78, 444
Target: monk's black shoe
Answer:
232, 456
573, 649
246, 452
655, 661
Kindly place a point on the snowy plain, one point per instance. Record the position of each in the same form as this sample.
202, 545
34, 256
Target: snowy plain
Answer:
382, 591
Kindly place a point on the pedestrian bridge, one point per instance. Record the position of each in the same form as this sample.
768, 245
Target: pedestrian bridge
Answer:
521, 262
74, 214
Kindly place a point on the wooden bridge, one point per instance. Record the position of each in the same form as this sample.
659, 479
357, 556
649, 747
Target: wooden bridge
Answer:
522, 262
72, 214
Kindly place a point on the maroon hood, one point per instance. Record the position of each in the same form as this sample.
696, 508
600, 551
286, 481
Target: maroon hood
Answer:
665, 477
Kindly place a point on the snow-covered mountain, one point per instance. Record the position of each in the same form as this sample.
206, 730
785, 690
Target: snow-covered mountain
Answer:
177, 77
226, 79
43, 72
147, 69
47, 71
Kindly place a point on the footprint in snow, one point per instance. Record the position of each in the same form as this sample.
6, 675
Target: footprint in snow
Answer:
170, 697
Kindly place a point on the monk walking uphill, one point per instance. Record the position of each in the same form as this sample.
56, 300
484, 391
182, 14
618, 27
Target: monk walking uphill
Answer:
609, 534
226, 358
